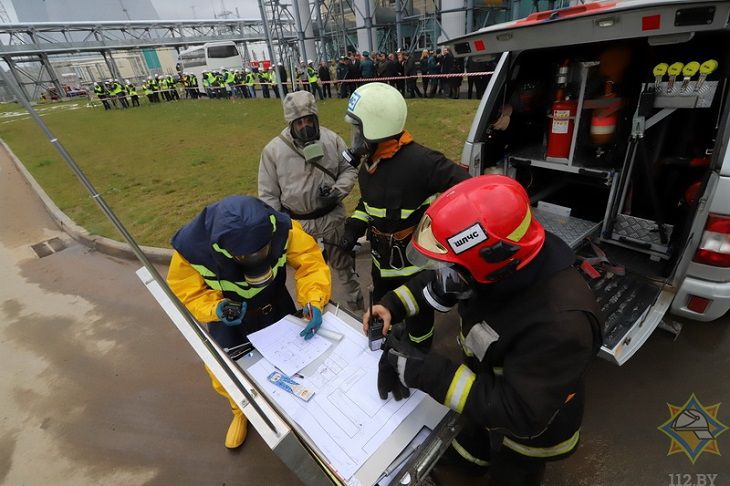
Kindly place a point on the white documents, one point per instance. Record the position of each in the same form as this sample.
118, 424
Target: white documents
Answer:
346, 419
282, 346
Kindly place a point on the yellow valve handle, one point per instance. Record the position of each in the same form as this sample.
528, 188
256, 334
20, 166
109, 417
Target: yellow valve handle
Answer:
690, 69
708, 67
675, 69
660, 69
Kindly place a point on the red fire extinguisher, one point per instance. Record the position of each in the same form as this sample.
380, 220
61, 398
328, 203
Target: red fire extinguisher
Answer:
561, 128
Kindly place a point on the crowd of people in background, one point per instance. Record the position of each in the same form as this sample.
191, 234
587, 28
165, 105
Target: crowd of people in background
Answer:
424, 74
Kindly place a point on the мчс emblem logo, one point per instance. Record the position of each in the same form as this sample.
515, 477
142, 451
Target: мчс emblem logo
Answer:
693, 428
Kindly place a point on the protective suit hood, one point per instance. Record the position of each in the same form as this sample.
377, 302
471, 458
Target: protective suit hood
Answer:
299, 104
241, 225
230, 228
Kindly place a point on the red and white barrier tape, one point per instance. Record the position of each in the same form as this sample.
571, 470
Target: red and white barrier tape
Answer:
339, 81
396, 78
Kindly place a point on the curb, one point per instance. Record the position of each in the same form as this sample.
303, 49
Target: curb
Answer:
97, 243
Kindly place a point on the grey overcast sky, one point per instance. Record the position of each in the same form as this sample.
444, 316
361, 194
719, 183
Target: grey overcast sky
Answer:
205, 9
187, 9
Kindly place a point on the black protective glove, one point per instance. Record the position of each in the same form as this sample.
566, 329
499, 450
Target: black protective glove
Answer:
348, 242
399, 365
329, 195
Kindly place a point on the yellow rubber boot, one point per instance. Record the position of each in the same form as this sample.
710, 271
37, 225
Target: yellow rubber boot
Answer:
238, 429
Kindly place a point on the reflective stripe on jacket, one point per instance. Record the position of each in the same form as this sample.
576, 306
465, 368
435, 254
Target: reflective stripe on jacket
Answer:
202, 280
397, 193
527, 341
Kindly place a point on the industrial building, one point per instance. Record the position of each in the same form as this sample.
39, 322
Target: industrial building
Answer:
64, 45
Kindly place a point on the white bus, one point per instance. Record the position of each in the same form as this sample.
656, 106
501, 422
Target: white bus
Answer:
212, 56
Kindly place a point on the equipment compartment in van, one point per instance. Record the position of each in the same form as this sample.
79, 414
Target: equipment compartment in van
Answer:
613, 141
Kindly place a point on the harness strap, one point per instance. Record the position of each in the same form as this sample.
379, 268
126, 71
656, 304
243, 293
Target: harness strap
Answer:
398, 235
317, 213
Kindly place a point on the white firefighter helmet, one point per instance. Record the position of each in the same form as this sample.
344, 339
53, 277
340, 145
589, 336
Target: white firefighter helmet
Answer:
380, 109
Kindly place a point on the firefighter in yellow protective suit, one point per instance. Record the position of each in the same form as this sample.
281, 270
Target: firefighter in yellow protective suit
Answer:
228, 269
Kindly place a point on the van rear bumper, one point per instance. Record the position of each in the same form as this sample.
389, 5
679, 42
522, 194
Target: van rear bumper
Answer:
717, 292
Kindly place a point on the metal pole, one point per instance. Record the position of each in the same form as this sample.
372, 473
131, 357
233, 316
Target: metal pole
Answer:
111, 65
369, 24
515, 9
46, 63
14, 70
344, 26
246, 53
216, 353
398, 20
300, 29
469, 16
270, 46
322, 45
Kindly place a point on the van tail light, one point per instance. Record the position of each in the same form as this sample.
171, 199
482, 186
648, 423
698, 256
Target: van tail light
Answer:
714, 248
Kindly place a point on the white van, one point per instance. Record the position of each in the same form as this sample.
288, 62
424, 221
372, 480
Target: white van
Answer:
614, 116
212, 56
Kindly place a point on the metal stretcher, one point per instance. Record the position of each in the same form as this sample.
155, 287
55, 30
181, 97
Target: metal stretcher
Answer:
401, 459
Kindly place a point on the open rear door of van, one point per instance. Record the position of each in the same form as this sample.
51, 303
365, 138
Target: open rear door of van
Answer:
633, 303
633, 307
595, 22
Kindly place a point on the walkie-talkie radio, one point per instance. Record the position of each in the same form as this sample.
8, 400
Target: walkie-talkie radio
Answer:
375, 329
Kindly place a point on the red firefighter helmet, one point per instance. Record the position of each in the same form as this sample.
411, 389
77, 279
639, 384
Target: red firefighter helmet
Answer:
484, 225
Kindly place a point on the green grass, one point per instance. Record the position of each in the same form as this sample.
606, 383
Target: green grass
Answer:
159, 165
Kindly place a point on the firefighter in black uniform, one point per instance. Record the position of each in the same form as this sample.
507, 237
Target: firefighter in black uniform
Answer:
529, 327
398, 180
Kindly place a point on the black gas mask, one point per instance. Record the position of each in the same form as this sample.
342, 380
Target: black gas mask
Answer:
257, 266
360, 149
449, 285
305, 132
305, 129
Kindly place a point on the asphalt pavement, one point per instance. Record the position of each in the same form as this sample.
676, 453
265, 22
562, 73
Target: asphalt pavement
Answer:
98, 387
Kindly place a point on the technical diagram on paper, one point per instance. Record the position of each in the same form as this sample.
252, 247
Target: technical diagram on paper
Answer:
346, 419
282, 346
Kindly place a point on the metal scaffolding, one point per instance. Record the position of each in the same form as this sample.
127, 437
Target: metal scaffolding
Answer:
388, 25
300, 30
26, 48
339, 25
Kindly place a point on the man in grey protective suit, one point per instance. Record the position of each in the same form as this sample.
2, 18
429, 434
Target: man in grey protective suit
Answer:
302, 174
